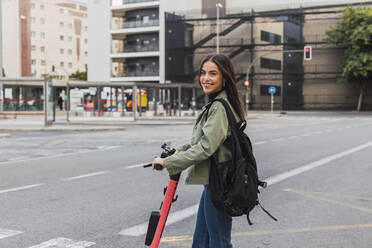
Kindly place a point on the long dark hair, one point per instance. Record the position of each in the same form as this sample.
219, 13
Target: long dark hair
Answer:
226, 68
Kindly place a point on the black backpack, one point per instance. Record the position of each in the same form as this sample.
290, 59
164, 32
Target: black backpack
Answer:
234, 184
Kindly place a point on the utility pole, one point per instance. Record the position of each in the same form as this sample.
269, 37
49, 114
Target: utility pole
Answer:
218, 6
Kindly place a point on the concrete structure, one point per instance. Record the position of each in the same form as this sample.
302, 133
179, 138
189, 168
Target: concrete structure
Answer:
163, 42
42, 35
99, 46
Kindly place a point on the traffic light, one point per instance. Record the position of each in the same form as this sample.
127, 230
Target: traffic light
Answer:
307, 53
246, 83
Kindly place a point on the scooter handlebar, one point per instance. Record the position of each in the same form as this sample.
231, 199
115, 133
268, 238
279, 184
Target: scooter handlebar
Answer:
157, 166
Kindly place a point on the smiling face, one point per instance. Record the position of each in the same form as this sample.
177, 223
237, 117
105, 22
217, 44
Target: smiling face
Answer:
210, 78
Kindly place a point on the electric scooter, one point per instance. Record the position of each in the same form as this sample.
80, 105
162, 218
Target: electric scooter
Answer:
158, 218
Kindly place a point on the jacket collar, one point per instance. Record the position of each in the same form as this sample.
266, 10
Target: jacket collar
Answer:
222, 95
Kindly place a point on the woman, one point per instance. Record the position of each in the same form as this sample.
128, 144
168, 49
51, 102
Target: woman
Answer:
217, 79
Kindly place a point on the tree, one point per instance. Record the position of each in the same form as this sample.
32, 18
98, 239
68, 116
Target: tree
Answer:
354, 33
79, 75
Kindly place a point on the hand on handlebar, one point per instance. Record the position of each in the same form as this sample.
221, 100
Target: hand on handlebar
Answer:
158, 161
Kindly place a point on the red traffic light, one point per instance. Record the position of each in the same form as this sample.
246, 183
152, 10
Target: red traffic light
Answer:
246, 83
247, 101
307, 53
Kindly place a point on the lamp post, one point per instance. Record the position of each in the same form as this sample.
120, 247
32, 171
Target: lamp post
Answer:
218, 6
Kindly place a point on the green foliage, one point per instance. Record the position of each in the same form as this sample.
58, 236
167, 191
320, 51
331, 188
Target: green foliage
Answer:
354, 33
83, 76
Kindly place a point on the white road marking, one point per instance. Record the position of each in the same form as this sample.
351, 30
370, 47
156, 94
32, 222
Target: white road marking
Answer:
105, 148
277, 140
20, 188
306, 134
260, 143
135, 166
85, 175
8, 233
19, 158
323, 161
141, 229
53, 156
63, 243
292, 137
172, 218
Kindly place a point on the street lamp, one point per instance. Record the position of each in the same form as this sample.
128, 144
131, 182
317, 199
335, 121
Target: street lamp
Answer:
218, 6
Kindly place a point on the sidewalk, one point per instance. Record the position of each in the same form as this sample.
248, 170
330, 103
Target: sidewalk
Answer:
36, 123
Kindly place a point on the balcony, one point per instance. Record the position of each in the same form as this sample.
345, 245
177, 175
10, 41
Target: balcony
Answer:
140, 24
121, 56
119, 8
136, 49
136, 76
135, 27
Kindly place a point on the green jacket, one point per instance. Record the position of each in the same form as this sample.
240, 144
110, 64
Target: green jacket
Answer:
209, 138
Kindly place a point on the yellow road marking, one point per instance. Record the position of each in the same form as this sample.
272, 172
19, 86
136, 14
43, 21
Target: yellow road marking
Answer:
179, 239
366, 210
279, 231
335, 195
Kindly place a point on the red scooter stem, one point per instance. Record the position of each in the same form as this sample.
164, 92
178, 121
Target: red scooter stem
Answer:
164, 210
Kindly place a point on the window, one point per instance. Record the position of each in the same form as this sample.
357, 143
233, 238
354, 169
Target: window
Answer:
145, 19
271, 37
61, 51
33, 19
43, 62
33, 62
271, 64
42, 21
70, 65
32, 5
62, 64
70, 25
33, 48
86, 41
61, 24
85, 28
42, 49
70, 38
86, 53
61, 11
42, 7
145, 67
69, 51
61, 37
42, 35
33, 33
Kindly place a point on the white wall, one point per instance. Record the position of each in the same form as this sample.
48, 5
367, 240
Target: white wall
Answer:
99, 18
11, 38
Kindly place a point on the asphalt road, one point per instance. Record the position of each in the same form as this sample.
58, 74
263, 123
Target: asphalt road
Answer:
87, 189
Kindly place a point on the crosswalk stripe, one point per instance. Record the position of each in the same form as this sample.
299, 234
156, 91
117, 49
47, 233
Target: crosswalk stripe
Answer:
8, 233
63, 243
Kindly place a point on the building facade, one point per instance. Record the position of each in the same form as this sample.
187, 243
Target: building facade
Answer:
44, 37
164, 41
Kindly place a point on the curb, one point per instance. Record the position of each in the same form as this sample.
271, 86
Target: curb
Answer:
46, 129
4, 135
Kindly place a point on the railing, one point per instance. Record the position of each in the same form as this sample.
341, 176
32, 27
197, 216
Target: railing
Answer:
137, 24
118, 3
136, 49
138, 74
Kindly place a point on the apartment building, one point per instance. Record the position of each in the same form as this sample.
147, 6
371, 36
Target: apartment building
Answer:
44, 37
163, 42
135, 40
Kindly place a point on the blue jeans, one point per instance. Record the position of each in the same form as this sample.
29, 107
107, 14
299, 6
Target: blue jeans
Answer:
213, 227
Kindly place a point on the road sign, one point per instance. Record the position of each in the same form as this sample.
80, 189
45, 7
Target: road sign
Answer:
272, 90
